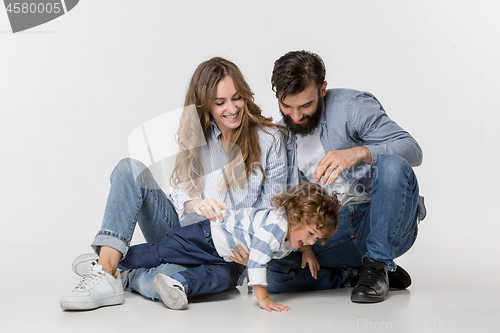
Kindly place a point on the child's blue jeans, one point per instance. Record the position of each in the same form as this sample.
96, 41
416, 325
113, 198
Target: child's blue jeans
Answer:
191, 246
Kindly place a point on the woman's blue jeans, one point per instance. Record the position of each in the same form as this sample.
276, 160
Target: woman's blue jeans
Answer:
135, 197
381, 230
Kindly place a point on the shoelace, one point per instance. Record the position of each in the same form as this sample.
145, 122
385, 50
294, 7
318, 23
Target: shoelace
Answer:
368, 277
89, 279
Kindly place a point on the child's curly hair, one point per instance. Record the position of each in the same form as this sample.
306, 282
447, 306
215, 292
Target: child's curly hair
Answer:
309, 203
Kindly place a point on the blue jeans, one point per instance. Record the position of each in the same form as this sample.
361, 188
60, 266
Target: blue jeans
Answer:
187, 245
381, 230
134, 197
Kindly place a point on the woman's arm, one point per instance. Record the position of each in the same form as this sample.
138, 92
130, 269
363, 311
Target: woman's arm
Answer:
275, 163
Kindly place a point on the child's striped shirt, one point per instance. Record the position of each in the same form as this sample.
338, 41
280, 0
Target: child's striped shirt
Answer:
258, 230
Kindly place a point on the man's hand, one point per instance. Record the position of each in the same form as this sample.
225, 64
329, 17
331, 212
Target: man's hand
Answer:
241, 257
336, 161
308, 258
209, 208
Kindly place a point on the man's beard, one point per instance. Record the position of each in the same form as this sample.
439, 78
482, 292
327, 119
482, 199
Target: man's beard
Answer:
311, 122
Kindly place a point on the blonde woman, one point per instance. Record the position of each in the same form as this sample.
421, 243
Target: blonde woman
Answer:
230, 157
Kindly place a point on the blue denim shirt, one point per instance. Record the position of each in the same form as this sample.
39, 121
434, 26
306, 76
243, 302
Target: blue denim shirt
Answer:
351, 118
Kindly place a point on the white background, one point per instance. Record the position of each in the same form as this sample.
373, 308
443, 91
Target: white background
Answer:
73, 89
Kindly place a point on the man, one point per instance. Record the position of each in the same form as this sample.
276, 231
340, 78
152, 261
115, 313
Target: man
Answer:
344, 140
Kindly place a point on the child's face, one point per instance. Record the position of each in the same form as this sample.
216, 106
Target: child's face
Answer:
305, 235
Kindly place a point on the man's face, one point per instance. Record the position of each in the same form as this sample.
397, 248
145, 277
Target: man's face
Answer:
301, 112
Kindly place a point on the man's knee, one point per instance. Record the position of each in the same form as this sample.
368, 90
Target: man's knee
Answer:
393, 164
390, 169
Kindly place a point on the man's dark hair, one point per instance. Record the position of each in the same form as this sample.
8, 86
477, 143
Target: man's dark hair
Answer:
294, 72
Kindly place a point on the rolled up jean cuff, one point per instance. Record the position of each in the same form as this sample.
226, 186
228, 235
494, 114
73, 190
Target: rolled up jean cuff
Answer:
110, 239
182, 280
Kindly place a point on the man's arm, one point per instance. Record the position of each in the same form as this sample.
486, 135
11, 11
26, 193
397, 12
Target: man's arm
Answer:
379, 136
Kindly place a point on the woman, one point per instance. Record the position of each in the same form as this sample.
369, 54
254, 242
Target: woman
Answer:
230, 157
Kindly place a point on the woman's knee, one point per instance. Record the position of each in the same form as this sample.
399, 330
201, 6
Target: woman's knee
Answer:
128, 167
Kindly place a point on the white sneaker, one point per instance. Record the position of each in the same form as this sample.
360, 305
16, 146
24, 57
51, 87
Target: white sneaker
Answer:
97, 288
83, 263
171, 291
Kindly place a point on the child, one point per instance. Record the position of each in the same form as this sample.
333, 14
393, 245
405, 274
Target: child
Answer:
300, 218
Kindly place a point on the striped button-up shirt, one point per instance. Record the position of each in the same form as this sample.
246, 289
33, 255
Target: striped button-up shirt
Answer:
261, 231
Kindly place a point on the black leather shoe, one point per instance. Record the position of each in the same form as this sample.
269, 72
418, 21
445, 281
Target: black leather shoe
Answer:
400, 279
373, 283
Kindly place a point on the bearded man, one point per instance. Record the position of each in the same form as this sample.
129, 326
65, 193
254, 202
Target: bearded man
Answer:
344, 140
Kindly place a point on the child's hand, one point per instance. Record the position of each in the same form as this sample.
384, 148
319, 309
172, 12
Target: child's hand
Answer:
265, 302
270, 305
241, 257
308, 258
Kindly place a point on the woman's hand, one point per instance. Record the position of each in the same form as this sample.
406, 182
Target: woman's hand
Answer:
209, 208
308, 258
241, 257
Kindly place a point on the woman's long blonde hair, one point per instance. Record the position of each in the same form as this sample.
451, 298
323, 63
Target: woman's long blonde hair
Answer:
188, 173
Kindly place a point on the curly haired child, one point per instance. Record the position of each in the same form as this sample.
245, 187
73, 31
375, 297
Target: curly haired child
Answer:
300, 218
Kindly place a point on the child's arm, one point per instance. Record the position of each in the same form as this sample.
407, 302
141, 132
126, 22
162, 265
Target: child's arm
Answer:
309, 258
265, 302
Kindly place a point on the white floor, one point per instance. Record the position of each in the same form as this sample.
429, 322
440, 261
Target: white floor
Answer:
450, 292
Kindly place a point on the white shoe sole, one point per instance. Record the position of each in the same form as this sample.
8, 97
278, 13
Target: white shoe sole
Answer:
172, 297
83, 263
72, 304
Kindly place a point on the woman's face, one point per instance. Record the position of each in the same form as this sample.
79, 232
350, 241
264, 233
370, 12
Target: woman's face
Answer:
228, 106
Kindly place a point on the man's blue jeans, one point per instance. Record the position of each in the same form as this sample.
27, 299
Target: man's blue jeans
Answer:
382, 230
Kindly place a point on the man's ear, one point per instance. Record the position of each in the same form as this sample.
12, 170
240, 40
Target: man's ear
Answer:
323, 89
